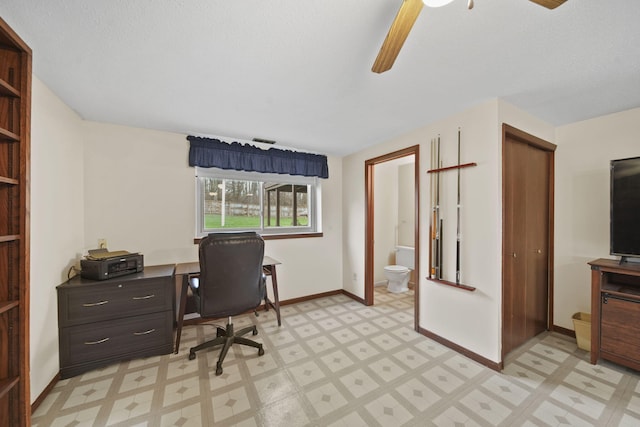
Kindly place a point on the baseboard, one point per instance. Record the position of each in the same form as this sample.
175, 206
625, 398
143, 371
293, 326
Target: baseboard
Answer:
45, 393
496, 366
310, 297
563, 331
353, 297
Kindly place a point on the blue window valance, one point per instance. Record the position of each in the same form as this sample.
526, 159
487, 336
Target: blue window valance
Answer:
213, 153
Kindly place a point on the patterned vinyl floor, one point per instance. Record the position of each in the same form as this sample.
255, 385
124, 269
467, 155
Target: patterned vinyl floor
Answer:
335, 362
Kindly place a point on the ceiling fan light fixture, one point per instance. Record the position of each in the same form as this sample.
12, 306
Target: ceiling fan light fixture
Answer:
436, 3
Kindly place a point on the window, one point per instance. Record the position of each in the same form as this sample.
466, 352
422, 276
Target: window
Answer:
267, 203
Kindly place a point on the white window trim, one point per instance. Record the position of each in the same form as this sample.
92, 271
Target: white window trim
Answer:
216, 173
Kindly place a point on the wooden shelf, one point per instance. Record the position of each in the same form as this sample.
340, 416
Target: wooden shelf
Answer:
449, 168
7, 90
8, 305
452, 284
7, 384
5, 180
15, 94
621, 290
8, 135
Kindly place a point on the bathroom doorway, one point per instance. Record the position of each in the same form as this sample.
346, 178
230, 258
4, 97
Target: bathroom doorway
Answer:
398, 229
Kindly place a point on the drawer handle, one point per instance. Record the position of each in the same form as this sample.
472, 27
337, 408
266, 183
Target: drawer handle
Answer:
93, 304
144, 297
144, 333
96, 342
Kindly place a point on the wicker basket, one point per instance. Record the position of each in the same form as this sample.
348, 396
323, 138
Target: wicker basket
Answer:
582, 326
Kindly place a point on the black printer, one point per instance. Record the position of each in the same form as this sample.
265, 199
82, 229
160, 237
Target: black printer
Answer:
101, 264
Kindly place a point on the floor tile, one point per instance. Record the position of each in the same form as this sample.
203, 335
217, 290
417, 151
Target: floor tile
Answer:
336, 362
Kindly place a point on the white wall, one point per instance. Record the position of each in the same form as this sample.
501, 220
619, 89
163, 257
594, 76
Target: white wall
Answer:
84, 188
582, 202
470, 319
314, 265
140, 196
406, 202
353, 212
393, 212
385, 218
133, 187
139, 192
57, 217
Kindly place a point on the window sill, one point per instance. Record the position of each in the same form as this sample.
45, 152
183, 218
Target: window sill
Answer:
196, 240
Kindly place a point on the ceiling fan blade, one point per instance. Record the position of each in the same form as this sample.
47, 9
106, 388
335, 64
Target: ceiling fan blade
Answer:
549, 4
397, 34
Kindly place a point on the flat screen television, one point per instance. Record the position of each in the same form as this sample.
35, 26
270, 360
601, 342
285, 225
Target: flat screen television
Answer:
625, 209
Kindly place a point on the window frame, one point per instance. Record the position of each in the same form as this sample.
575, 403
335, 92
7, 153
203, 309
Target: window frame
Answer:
314, 193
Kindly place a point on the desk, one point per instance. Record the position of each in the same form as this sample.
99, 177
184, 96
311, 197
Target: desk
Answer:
188, 269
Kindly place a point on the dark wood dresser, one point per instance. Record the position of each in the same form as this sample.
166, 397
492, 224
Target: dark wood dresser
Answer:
105, 321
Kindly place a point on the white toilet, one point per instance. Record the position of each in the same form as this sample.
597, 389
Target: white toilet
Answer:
398, 275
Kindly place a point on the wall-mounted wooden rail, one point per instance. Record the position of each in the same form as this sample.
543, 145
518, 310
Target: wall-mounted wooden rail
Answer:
448, 168
452, 284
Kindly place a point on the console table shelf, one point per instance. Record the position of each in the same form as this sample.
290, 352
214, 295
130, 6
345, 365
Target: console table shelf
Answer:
615, 312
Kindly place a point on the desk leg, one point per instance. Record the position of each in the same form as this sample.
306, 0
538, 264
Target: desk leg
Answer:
276, 299
183, 304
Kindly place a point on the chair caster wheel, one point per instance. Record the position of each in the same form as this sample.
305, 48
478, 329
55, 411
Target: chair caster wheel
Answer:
192, 356
260, 351
255, 331
218, 370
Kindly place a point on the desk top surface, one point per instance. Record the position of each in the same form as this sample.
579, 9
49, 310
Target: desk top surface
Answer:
194, 267
149, 272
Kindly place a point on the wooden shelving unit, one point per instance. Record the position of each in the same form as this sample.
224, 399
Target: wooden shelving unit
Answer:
15, 128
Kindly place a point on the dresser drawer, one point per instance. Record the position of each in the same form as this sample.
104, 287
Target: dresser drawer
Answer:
115, 338
115, 299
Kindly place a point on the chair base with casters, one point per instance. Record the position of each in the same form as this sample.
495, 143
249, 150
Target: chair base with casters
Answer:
227, 337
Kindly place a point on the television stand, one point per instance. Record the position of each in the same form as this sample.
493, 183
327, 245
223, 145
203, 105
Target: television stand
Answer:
615, 312
629, 260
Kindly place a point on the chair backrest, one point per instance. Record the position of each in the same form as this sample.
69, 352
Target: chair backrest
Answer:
230, 273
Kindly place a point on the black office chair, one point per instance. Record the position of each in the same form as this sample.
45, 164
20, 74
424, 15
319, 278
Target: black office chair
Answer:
231, 282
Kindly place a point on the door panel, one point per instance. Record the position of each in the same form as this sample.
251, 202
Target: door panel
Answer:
514, 261
537, 237
527, 178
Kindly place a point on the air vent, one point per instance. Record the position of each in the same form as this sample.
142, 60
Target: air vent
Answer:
264, 141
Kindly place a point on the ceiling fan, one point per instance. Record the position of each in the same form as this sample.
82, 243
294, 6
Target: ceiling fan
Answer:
404, 20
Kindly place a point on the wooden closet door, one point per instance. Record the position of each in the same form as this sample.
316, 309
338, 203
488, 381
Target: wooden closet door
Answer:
527, 172
537, 241
514, 259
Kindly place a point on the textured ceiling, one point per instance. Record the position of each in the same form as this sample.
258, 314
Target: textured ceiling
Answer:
299, 71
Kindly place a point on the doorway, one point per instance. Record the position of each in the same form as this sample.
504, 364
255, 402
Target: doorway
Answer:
369, 223
527, 237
